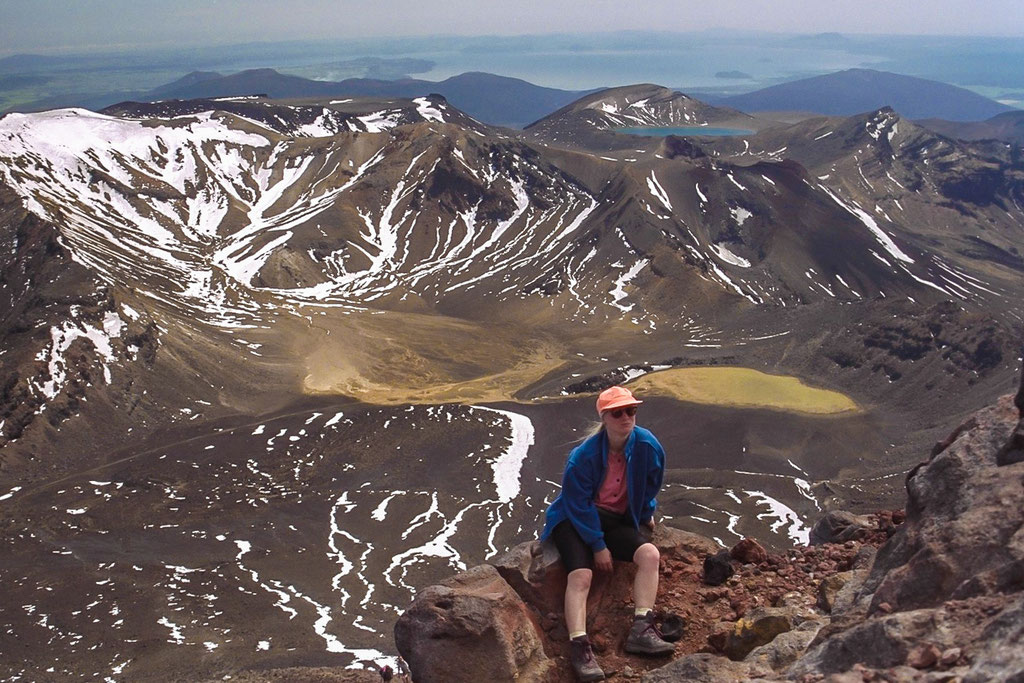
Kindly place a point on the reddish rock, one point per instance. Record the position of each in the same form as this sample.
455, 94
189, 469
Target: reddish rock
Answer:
924, 656
477, 609
748, 551
719, 635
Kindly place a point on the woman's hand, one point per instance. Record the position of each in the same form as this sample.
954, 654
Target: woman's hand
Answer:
603, 560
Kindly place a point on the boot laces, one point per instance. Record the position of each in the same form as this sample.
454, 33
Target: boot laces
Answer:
585, 649
651, 626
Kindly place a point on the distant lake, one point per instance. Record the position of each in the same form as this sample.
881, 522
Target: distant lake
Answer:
691, 130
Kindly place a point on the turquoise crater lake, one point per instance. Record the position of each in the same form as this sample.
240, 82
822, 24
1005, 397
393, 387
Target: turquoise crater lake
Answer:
690, 130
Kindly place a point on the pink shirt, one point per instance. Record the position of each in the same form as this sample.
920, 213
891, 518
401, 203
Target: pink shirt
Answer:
612, 495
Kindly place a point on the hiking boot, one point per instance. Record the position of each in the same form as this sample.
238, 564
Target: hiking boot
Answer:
645, 638
582, 657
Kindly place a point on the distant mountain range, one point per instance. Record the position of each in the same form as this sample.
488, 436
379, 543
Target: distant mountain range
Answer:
512, 102
497, 100
504, 101
857, 91
492, 99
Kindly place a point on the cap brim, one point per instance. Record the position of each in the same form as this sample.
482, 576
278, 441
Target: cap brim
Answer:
621, 404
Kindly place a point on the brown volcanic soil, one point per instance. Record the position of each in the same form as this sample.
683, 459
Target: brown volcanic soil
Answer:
789, 578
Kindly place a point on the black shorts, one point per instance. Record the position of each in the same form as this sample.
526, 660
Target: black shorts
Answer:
621, 537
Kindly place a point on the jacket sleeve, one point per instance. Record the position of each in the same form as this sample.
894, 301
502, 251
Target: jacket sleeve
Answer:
578, 489
655, 477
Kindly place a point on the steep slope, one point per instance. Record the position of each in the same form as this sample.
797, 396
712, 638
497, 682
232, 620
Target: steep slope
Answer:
853, 91
233, 213
945, 212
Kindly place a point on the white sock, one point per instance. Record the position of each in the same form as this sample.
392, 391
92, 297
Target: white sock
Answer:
576, 634
641, 611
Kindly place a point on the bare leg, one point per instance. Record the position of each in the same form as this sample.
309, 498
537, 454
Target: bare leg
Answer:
576, 590
645, 585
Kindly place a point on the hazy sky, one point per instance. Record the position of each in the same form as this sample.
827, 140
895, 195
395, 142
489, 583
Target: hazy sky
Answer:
47, 25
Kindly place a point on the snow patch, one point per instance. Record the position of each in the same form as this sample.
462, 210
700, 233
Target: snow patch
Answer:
508, 465
724, 254
428, 110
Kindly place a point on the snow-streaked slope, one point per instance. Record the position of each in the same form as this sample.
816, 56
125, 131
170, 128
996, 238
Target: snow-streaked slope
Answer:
194, 207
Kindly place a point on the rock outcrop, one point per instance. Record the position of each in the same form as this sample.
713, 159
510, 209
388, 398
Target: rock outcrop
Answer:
839, 526
472, 627
952, 578
942, 598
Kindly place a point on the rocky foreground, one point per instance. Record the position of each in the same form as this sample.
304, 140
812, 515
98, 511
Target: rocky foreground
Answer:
935, 594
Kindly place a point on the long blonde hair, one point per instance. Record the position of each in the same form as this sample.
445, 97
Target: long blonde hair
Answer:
593, 429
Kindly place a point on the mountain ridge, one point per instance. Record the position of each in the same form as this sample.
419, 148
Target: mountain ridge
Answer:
494, 99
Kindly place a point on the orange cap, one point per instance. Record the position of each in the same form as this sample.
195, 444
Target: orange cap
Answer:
615, 397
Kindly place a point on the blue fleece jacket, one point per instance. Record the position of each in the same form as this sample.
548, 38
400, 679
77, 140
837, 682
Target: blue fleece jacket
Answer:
645, 469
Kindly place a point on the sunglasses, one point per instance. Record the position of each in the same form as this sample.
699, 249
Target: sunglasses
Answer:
628, 410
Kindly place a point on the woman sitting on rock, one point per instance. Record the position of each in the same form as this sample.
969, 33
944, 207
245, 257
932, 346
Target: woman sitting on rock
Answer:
605, 511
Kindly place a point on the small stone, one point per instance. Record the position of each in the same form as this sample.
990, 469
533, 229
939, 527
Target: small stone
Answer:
950, 657
791, 599
717, 568
885, 607
923, 656
719, 636
628, 672
748, 551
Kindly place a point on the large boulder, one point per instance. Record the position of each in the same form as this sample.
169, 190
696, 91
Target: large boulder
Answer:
705, 668
535, 571
950, 580
534, 577
759, 627
678, 544
965, 514
839, 526
471, 627
786, 647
